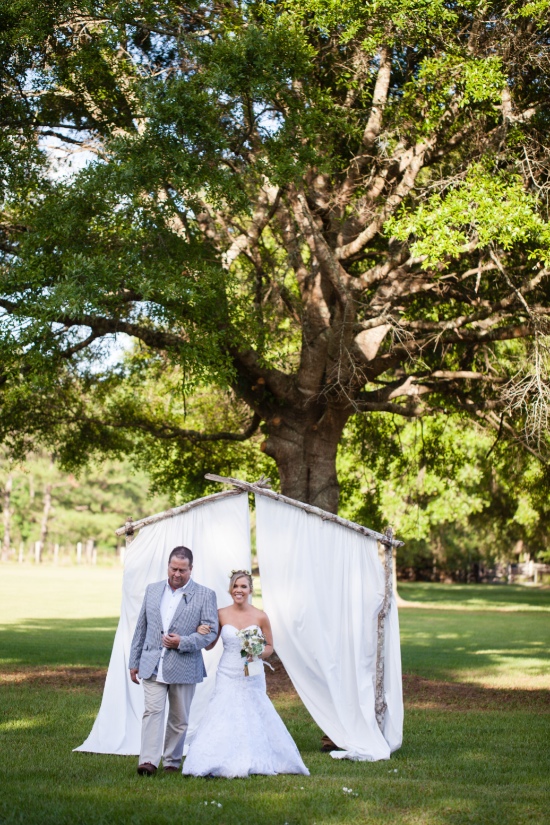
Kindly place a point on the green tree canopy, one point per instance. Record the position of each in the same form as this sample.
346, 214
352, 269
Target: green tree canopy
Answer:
327, 209
458, 496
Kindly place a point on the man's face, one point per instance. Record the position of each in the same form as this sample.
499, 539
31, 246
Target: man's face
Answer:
179, 572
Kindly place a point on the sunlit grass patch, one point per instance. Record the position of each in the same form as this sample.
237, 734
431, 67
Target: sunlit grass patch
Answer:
506, 597
29, 591
480, 647
19, 724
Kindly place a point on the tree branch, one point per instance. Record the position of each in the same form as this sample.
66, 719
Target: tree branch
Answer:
335, 272
155, 338
262, 216
499, 424
68, 353
372, 130
170, 431
413, 161
403, 352
416, 385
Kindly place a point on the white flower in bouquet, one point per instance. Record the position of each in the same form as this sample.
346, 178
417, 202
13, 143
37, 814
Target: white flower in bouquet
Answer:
252, 642
252, 646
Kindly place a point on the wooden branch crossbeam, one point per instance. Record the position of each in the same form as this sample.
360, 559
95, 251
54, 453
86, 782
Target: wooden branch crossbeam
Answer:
261, 488
257, 487
131, 526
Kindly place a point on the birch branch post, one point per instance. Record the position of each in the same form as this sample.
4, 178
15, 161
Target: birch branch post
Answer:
380, 706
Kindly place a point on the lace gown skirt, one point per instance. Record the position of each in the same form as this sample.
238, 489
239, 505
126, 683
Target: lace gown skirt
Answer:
241, 732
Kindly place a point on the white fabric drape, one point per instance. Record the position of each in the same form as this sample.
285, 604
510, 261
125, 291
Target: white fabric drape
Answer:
322, 587
218, 533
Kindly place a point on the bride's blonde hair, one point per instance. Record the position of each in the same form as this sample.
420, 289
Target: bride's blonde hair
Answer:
240, 574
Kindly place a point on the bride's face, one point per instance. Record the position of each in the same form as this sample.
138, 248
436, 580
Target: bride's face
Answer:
241, 590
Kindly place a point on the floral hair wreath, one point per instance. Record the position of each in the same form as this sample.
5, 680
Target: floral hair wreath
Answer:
237, 574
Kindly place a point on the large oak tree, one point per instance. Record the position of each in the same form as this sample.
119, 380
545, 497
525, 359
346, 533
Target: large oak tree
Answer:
330, 207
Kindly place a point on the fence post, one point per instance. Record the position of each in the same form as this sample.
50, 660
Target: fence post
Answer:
89, 551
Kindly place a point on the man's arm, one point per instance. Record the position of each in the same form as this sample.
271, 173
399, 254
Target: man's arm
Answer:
209, 616
139, 638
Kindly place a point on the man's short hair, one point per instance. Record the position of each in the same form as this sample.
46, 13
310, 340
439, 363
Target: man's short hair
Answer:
182, 553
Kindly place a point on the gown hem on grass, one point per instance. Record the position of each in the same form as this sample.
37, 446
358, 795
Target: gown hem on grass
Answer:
241, 733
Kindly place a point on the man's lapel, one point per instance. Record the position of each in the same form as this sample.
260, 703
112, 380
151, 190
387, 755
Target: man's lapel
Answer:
157, 598
187, 596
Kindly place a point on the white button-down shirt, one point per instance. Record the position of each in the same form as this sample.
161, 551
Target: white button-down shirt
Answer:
168, 605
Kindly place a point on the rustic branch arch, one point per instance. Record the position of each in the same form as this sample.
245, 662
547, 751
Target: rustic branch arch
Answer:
261, 487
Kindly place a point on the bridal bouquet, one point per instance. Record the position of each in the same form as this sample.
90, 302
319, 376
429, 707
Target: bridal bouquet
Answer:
252, 644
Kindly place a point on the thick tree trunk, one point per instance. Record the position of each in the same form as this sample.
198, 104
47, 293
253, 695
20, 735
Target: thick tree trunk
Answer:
305, 453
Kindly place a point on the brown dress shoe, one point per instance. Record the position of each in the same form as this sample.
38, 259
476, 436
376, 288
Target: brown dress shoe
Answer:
171, 769
146, 769
327, 745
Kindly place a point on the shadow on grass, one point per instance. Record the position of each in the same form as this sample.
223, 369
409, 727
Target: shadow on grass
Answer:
86, 642
447, 644
477, 596
435, 644
433, 694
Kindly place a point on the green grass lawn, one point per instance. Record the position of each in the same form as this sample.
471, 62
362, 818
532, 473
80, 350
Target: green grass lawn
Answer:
476, 730
506, 597
509, 650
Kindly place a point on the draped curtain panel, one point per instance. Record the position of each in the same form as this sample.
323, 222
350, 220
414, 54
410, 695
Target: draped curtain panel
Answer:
218, 533
322, 587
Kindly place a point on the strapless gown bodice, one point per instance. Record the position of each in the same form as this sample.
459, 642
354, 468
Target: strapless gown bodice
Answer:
241, 732
232, 663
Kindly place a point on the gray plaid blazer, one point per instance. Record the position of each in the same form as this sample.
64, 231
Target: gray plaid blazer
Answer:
184, 665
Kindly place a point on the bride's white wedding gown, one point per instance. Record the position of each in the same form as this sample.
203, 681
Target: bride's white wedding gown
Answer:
241, 732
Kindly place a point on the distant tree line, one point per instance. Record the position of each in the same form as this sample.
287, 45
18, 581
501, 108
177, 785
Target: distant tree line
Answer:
46, 511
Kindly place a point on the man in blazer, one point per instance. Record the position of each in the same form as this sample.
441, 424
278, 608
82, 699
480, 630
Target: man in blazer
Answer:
166, 654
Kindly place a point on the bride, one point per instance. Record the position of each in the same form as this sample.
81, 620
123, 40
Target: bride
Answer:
241, 732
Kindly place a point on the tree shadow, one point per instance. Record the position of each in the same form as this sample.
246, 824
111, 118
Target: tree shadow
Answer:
448, 645
40, 642
476, 596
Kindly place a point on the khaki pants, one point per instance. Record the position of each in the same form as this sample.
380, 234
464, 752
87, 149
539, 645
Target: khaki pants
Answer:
152, 729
